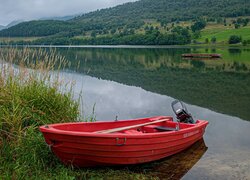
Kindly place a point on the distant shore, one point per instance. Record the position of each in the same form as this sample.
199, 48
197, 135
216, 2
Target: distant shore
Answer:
135, 46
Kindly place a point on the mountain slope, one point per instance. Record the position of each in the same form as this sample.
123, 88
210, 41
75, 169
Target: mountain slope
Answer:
60, 18
36, 28
169, 10
134, 15
144, 22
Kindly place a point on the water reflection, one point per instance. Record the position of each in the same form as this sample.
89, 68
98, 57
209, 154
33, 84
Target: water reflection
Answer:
201, 59
112, 99
198, 64
222, 85
234, 51
176, 166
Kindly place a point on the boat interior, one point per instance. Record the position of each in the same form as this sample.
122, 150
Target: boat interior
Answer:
161, 127
165, 126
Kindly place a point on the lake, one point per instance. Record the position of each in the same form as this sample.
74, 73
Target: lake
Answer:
141, 82
133, 82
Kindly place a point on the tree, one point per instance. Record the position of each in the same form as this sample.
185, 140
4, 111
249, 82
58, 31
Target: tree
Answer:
93, 34
236, 26
234, 39
213, 40
245, 22
206, 41
198, 25
146, 28
197, 34
113, 31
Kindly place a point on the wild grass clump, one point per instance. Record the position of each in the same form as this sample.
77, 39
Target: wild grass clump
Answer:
30, 95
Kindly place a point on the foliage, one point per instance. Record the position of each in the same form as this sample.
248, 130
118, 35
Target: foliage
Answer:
178, 36
241, 21
236, 26
36, 28
234, 39
30, 96
196, 34
213, 39
125, 21
206, 40
198, 25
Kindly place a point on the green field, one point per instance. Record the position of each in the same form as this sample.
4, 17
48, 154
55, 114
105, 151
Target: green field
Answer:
222, 33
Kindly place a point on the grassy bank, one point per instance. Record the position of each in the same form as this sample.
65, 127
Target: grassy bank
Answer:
31, 96
222, 33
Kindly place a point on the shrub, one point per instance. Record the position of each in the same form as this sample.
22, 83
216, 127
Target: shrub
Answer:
213, 40
199, 25
234, 39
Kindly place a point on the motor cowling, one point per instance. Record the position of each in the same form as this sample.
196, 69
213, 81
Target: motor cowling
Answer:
181, 112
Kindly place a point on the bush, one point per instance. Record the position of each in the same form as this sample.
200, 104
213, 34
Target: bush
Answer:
199, 25
213, 40
234, 39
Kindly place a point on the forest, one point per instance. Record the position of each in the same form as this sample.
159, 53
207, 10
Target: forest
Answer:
143, 22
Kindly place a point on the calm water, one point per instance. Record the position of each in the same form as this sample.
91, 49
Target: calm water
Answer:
142, 82
220, 85
137, 82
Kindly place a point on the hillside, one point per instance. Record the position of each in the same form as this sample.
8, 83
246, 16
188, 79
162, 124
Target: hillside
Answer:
60, 18
131, 23
165, 11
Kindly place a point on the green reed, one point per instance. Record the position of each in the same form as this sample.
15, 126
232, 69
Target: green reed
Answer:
30, 95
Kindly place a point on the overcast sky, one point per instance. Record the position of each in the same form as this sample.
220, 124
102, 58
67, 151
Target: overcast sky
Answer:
11, 10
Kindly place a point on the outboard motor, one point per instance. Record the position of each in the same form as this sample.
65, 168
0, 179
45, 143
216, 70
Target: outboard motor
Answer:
181, 112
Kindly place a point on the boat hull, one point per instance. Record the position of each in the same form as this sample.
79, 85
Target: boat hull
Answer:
201, 55
87, 148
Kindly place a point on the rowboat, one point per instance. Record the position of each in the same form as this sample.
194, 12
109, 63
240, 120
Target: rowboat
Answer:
203, 55
122, 142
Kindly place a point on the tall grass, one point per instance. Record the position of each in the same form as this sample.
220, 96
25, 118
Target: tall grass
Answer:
31, 95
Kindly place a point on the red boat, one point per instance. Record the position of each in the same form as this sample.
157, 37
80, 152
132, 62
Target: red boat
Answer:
121, 142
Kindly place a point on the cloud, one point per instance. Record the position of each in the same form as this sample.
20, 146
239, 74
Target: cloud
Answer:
11, 10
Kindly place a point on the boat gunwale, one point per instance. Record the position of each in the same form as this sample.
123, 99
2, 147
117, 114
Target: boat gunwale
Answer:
52, 130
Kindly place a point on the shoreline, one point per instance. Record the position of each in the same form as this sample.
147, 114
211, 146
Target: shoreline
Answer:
132, 46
